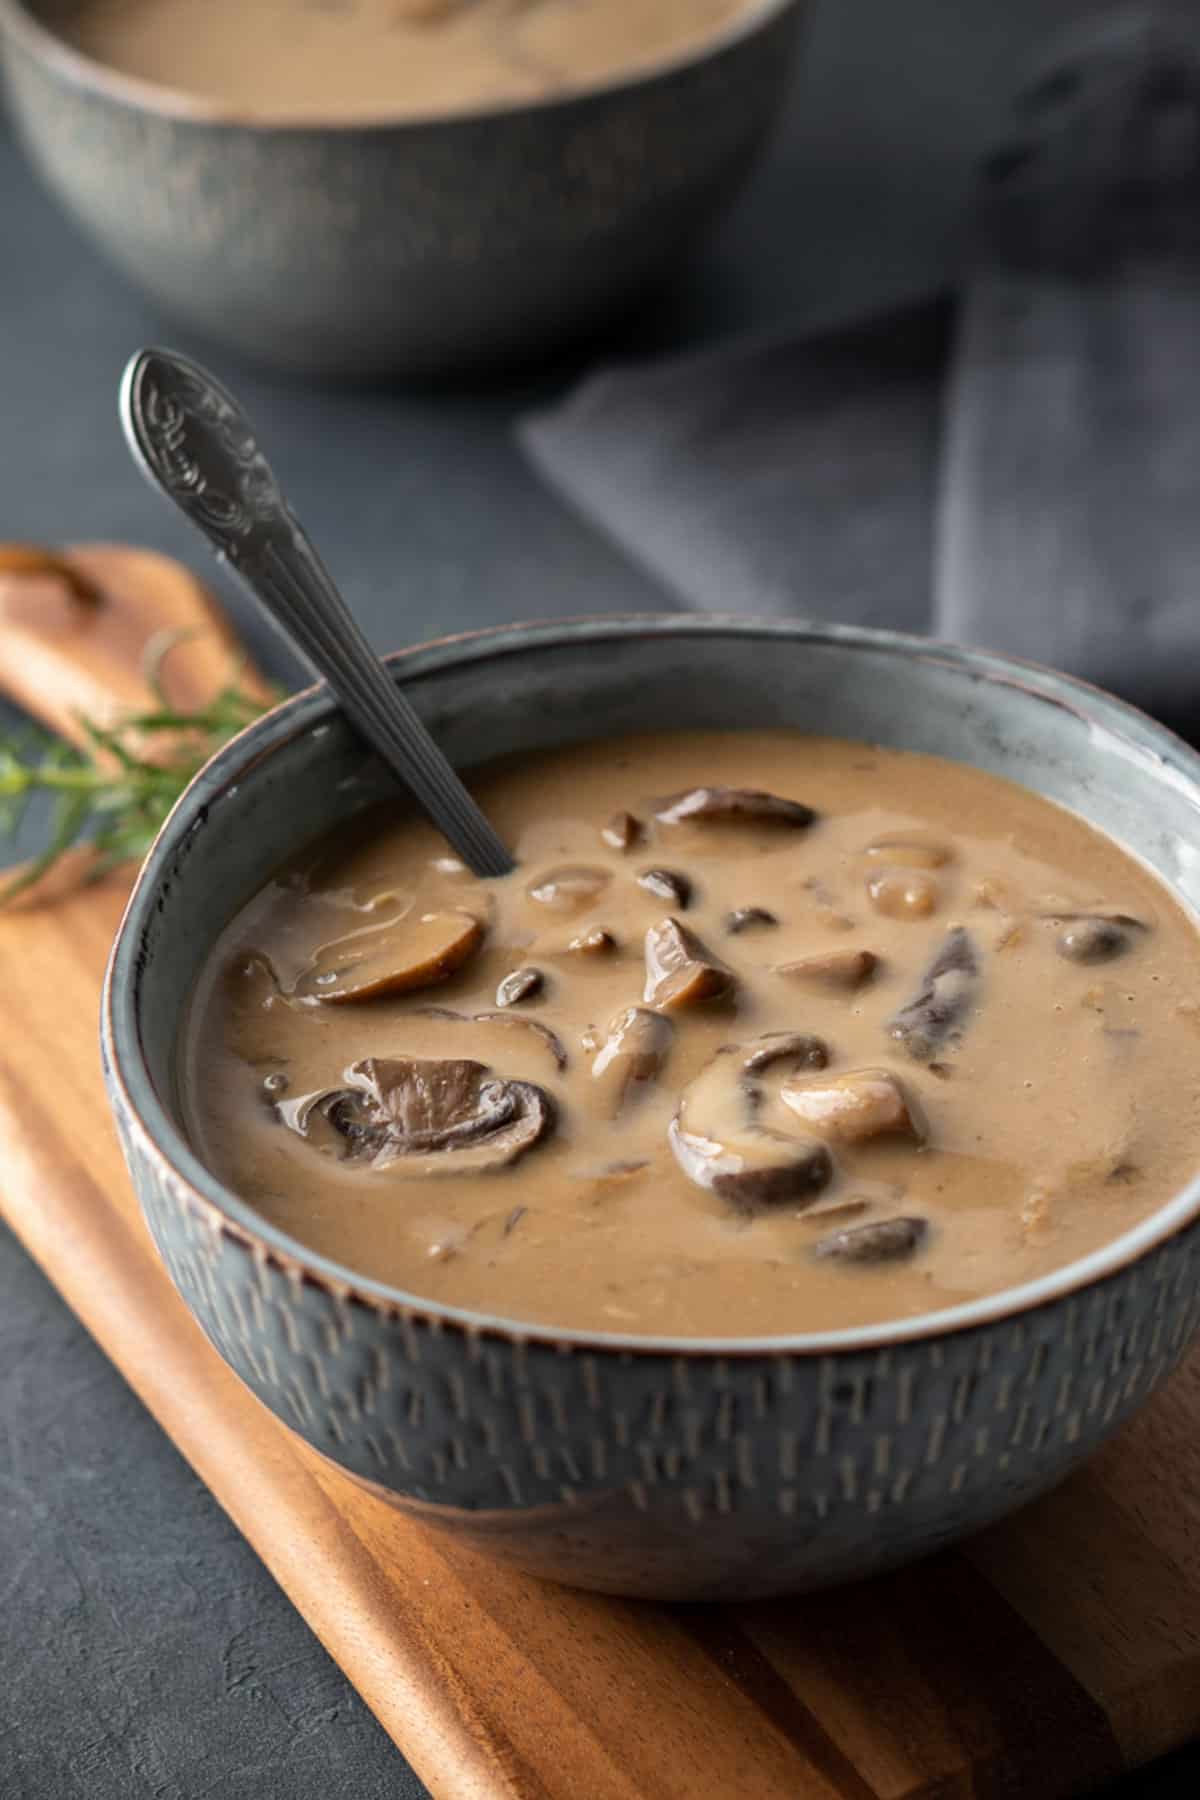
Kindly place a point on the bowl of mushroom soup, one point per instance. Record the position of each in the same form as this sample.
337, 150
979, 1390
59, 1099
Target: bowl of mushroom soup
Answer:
831, 974
406, 187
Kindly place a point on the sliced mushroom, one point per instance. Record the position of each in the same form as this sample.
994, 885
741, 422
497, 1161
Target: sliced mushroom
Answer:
424, 1117
507, 1022
883, 1240
595, 941
832, 968
568, 890
853, 1107
632, 1055
667, 884
622, 832
521, 984
1094, 940
680, 971
798, 1048
720, 1141
903, 893
732, 806
410, 953
932, 1021
749, 918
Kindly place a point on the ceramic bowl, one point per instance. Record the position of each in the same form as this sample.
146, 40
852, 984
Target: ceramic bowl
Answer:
641, 1465
415, 246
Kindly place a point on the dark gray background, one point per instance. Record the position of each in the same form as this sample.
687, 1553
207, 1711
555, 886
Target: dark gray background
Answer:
145, 1654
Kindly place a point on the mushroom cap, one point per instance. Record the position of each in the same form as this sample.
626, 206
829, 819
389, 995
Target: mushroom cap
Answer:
416, 951
721, 1141
732, 806
424, 1116
506, 1022
831, 968
632, 1055
851, 1107
931, 1021
882, 1240
799, 1049
680, 970
569, 888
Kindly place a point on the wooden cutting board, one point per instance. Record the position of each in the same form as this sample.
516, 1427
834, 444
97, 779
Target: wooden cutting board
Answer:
1053, 1652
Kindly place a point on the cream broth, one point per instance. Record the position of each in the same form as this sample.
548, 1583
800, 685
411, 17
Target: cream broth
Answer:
878, 1034
347, 59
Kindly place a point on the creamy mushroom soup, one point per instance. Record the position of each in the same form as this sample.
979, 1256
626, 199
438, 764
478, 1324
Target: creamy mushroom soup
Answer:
346, 59
767, 1033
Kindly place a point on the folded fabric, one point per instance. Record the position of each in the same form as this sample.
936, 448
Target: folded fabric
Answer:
1018, 469
781, 476
1068, 527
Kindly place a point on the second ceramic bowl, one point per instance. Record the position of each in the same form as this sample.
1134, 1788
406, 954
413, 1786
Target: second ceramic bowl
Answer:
410, 246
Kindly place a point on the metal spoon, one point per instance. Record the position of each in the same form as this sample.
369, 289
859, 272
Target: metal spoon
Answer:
192, 441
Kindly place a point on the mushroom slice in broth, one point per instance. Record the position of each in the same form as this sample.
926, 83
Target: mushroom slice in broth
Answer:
721, 1142
419, 1116
417, 951
732, 806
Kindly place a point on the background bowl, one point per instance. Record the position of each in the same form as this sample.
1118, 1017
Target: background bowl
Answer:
649, 1466
411, 246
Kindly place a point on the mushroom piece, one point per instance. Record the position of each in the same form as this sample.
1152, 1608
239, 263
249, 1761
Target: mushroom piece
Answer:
680, 971
903, 893
521, 984
667, 884
853, 1107
622, 831
568, 890
631, 1056
1095, 939
587, 944
595, 941
409, 953
424, 1117
798, 1048
749, 918
732, 806
883, 1240
931, 1022
832, 968
507, 1021
720, 1141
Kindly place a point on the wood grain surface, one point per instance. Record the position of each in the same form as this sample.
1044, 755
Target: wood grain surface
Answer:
1052, 1652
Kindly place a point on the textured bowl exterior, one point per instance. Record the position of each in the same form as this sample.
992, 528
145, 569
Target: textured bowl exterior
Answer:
678, 1471
416, 247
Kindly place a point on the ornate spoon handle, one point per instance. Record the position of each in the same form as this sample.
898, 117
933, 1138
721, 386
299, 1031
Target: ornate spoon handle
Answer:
193, 442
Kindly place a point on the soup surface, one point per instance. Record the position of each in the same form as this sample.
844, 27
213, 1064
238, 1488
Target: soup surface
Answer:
345, 59
854, 1035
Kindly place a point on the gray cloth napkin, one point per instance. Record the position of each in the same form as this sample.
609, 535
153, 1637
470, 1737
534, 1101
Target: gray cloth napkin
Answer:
1018, 468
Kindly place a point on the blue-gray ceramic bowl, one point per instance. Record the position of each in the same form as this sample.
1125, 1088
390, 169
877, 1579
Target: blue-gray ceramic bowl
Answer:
411, 246
639, 1465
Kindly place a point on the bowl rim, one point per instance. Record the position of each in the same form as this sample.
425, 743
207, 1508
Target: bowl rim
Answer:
132, 1090
86, 72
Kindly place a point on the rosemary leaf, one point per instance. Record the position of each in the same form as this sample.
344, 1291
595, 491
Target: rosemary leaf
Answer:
111, 794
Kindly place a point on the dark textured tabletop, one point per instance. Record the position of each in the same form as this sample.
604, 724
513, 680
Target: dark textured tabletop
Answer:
145, 1654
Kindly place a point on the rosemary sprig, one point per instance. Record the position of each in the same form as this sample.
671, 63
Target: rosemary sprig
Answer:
113, 794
